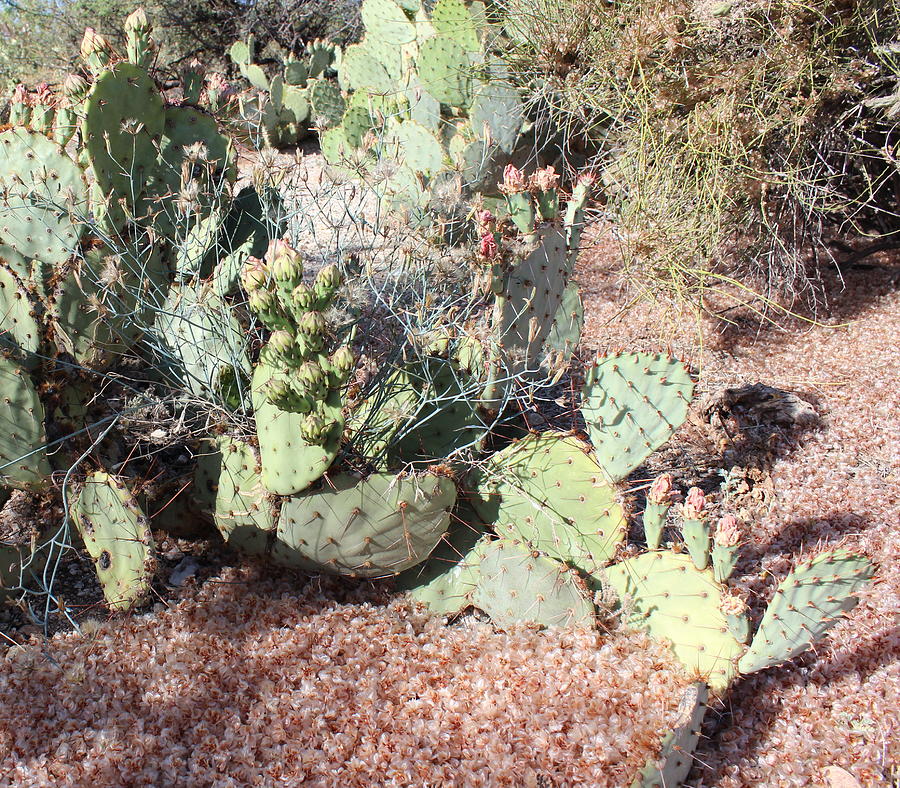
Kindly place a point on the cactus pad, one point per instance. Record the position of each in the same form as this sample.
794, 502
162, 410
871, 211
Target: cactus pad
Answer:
565, 334
444, 71
123, 124
244, 511
117, 535
328, 105
807, 603
23, 456
676, 756
386, 21
290, 464
633, 403
548, 492
374, 527
20, 335
516, 585
42, 192
664, 593
451, 18
447, 580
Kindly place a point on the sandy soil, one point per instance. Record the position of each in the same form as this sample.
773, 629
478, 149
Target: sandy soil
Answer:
255, 679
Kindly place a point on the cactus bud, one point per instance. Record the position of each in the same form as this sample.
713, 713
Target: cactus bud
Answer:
513, 180
95, 51
137, 22
42, 109
285, 264
329, 277
486, 222
75, 88
544, 180
725, 547
342, 363
254, 274
695, 528
311, 324
282, 343
20, 106
311, 376
192, 78
544, 184
278, 393
314, 429
302, 299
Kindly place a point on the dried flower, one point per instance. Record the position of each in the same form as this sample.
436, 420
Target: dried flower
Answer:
513, 181
728, 532
488, 249
662, 490
694, 505
544, 180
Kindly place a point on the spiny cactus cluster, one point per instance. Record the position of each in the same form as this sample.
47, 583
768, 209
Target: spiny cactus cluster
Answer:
425, 91
296, 101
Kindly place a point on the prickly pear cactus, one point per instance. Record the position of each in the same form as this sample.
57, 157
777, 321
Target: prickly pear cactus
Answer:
44, 198
517, 585
23, 455
117, 535
807, 603
548, 492
633, 403
374, 527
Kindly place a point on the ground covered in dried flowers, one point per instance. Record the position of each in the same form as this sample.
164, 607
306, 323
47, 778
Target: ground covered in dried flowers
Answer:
251, 678
835, 482
254, 680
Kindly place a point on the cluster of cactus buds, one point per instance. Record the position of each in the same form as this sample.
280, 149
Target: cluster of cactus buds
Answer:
303, 375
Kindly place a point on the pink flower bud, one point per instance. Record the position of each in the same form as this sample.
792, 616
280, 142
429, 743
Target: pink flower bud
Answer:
44, 94
661, 491
93, 42
488, 248
485, 221
694, 505
513, 180
544, 180
137, 21
731, 605
20, 94
728, 532
587, 179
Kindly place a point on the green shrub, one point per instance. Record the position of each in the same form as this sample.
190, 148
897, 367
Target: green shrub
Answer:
734, 138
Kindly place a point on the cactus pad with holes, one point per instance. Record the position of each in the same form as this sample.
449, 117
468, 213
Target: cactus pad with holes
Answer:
117, 536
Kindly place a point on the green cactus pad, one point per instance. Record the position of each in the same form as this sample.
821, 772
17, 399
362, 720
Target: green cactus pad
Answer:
531, 296
565, 334
290, 464
385, 20
375, 527
240, 53
424, 109
548, 492
361, 71
442, 414
665, 594
328, 105
807, 603
244, 511
451, 18
447, 580
23, 456
123, 125
43, 194
676, 756
117, 536
444, 71
416, 147
498, 108
517, 586
20, 335
202, 338
633, 403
